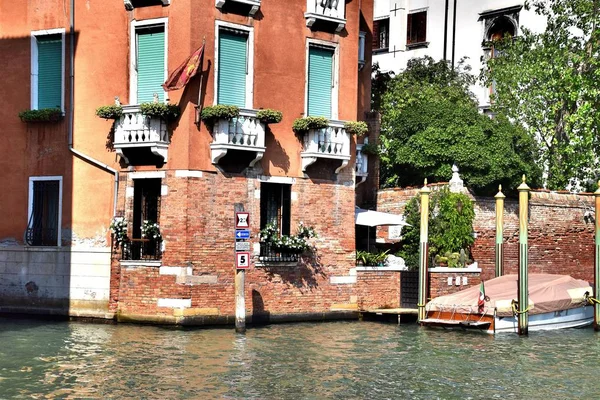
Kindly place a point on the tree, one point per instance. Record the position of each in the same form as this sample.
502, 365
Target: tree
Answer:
549, 83
430, 121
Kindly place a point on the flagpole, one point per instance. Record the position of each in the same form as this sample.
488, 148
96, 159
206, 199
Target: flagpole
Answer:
198, 106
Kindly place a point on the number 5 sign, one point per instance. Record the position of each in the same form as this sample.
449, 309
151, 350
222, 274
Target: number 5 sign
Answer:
242, 260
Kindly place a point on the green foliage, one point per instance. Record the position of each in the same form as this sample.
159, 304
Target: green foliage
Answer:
357, 128
269, 116
302, 125
118, 229
109, 112
168, 112
370, 148
287, 243
379, 85
371, 259
41, 115
212, 113
548, 82
431, 121
451, 218
150, 230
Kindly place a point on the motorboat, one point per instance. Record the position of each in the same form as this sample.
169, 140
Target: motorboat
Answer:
555, 302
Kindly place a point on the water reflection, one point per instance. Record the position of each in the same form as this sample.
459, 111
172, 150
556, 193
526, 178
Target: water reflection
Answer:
341, 360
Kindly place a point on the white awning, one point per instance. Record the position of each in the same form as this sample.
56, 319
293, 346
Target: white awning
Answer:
376, 218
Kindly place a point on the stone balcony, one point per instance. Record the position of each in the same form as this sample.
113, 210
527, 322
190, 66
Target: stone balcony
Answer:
245, 133
253, 4
135, 130
328, 11
332, 142
362, 164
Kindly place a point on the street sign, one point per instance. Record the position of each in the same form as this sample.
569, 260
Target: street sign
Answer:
242, 246
242, 234
242, 220
242, 260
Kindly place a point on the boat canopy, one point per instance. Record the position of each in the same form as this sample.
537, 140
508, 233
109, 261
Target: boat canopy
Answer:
547, 293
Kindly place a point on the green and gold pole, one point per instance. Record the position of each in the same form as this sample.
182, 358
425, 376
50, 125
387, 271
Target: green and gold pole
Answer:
523, 284
423, 250
499, 232
597, 260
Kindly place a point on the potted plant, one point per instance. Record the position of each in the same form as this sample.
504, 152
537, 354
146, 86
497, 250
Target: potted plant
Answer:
287, 244
118, 229
358, 128
41, 115
167, 112
151, 230
269, 116
211, 114
113, 111
370, 149
303, 125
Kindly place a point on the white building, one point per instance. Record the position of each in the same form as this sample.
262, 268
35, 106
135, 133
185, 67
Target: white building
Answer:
446, 29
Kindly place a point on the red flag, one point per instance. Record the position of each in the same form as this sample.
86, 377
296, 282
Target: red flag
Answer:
481, 300
182, 75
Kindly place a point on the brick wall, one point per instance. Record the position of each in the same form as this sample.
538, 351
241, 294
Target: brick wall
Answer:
378, 289
438, 281
560, 240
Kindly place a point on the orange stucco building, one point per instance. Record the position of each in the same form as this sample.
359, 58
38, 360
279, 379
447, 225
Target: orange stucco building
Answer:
69, 174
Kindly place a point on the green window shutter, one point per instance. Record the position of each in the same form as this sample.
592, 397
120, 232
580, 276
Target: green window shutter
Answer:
49, 49
320, 63
231, 84
150, 64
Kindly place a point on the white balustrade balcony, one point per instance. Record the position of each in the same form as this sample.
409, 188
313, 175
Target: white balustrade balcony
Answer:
332, 11
135, 130
254, 4
246, 133
362, 164
332, 142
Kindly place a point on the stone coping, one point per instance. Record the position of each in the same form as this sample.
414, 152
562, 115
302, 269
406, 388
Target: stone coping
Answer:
54, 249
140, 263
380, 269
454, 270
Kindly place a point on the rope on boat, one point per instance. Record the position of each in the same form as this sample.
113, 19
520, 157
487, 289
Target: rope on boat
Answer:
514, 303
590, 299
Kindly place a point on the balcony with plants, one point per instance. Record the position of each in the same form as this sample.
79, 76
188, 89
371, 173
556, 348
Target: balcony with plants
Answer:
326, 139
328, 12
140, 126
235, 129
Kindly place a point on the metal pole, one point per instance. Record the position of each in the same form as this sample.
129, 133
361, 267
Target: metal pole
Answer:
499, 232
240, 284
523, 285
597, 260
423, 250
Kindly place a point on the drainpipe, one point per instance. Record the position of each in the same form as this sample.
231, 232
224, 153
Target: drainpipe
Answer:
453, 33
71, 115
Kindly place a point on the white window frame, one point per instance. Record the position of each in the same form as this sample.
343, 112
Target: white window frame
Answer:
250, 61
336, 74
33, 179
35, 66
134, 25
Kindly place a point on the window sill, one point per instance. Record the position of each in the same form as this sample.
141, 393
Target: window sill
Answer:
141, 263
276, 264
414, 46
381, 50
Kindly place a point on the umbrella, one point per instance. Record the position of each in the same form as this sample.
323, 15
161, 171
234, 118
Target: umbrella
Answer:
375, 218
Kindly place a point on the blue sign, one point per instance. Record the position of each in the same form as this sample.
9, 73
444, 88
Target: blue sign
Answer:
242, 234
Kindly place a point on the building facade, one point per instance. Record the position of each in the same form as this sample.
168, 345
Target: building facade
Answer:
446, 30
69, 174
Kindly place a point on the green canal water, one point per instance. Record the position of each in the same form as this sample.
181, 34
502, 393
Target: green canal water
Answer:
338, 360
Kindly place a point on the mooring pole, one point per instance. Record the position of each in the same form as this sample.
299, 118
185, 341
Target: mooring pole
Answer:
597, 260
523, 284
499, 232
240, 285
423, 250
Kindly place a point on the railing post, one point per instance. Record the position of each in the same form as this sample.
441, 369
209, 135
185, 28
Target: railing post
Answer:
423, 251
597, 259
523, 284
499, 232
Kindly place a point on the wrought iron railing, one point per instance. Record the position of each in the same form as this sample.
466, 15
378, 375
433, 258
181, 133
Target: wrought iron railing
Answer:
269, 253
141, 250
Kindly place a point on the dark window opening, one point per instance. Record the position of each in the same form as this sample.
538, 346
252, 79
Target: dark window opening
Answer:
416, 28
381, 34
42, 229
275, 206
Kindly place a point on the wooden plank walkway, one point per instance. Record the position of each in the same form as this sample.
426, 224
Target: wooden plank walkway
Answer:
388, 311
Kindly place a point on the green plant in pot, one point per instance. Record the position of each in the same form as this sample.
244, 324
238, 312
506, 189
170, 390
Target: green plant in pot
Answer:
113, 111
303, 125
269, 116
41, 115
358, 128
165, 111
212, 114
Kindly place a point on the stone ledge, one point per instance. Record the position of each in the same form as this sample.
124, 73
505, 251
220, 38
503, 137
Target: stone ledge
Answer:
455, 270
381, 269
197, 279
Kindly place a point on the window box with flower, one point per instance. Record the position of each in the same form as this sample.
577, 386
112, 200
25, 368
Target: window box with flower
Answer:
276, 247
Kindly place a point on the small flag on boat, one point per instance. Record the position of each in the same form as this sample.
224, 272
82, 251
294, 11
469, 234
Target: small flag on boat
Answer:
186, 71
481, 300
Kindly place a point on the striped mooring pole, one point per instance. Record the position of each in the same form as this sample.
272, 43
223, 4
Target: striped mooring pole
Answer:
597, 260
523, 284
499, 232
423, 250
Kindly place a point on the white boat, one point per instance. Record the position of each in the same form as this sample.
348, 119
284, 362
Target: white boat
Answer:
555, 302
